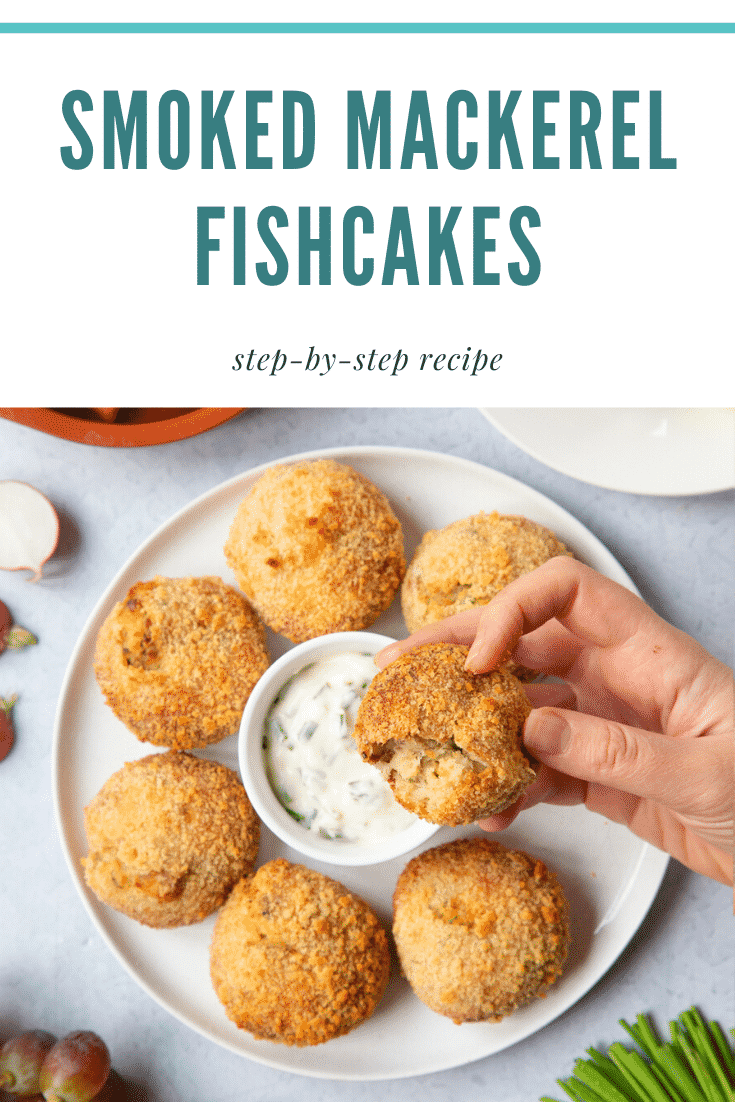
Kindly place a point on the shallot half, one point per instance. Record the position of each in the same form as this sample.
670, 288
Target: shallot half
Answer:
29, 528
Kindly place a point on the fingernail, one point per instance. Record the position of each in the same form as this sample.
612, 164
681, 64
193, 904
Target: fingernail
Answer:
546, 732
473, 655
387, 655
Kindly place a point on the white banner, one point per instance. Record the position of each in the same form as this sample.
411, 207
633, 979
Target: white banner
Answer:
531, 219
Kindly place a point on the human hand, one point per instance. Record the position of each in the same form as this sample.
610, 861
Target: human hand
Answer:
641, 731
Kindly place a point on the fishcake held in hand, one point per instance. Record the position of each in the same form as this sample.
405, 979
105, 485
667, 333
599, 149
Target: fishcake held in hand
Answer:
296, 957
448, 742
178, 659
317, 548
480, 930
169, 835
469, 561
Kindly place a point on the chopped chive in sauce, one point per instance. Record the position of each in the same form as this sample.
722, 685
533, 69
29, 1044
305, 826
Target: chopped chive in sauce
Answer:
311, 759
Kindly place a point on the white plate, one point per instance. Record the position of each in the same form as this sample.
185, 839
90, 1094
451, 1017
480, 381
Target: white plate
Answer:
610, 876
640, 451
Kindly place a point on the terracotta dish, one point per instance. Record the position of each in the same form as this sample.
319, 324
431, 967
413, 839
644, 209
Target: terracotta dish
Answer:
121, 428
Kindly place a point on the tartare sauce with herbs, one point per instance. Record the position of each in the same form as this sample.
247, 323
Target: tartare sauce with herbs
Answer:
313, 764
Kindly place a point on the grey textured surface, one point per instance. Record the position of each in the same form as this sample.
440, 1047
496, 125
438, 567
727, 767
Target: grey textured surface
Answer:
57, 974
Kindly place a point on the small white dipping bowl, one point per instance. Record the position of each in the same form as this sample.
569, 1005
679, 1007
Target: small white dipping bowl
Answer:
255, 777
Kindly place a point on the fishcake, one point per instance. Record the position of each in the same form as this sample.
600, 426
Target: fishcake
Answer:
317, 548
297, 958
178, 659
480, 930
169, 835
448, 742
469, 561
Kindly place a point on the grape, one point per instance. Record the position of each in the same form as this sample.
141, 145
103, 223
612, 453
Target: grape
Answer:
20, 1061
75, 1069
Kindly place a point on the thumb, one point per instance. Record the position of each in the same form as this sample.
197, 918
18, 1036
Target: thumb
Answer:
672, 771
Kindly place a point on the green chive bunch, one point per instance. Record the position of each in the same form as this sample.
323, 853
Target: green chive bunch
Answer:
696, 1065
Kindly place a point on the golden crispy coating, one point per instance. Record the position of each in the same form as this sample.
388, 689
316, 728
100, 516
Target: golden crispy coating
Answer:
178, 659
317, 548
468, 562
447, 741
480, 930
296, 957
169, 835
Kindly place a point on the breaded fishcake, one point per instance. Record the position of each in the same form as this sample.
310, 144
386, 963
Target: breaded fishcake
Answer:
169, 835
480, 929
296, 957
317, 548
178, 659
469, 561
447, 741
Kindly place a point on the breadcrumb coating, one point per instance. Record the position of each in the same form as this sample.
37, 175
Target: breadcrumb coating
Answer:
296, 957
178, 659
480, 930
169, 835
469, 561
447, 741
317, 548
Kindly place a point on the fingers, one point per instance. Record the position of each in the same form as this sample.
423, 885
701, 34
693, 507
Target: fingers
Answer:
549, 787
595, 609
550, 694
683, 775
551, 648
455, 629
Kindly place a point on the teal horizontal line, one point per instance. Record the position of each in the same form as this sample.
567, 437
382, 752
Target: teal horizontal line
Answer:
367, 28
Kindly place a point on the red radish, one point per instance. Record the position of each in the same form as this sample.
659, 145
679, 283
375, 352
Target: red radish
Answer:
29, 528
7, 734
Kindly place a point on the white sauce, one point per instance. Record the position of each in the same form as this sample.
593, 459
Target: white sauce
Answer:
313, 764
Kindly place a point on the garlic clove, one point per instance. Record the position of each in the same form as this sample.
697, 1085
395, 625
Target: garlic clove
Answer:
29, 528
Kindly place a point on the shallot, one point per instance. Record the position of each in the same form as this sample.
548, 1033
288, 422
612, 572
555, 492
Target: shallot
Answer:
29, 528
13, 635
7, 734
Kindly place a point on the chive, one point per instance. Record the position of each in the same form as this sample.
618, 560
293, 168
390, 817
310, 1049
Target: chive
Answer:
640, 1073
724, 1049
707, 1052
579, 1092
627, 1065
608, 1068
675, 1077
593, 1076
696, 1065
665, 1065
